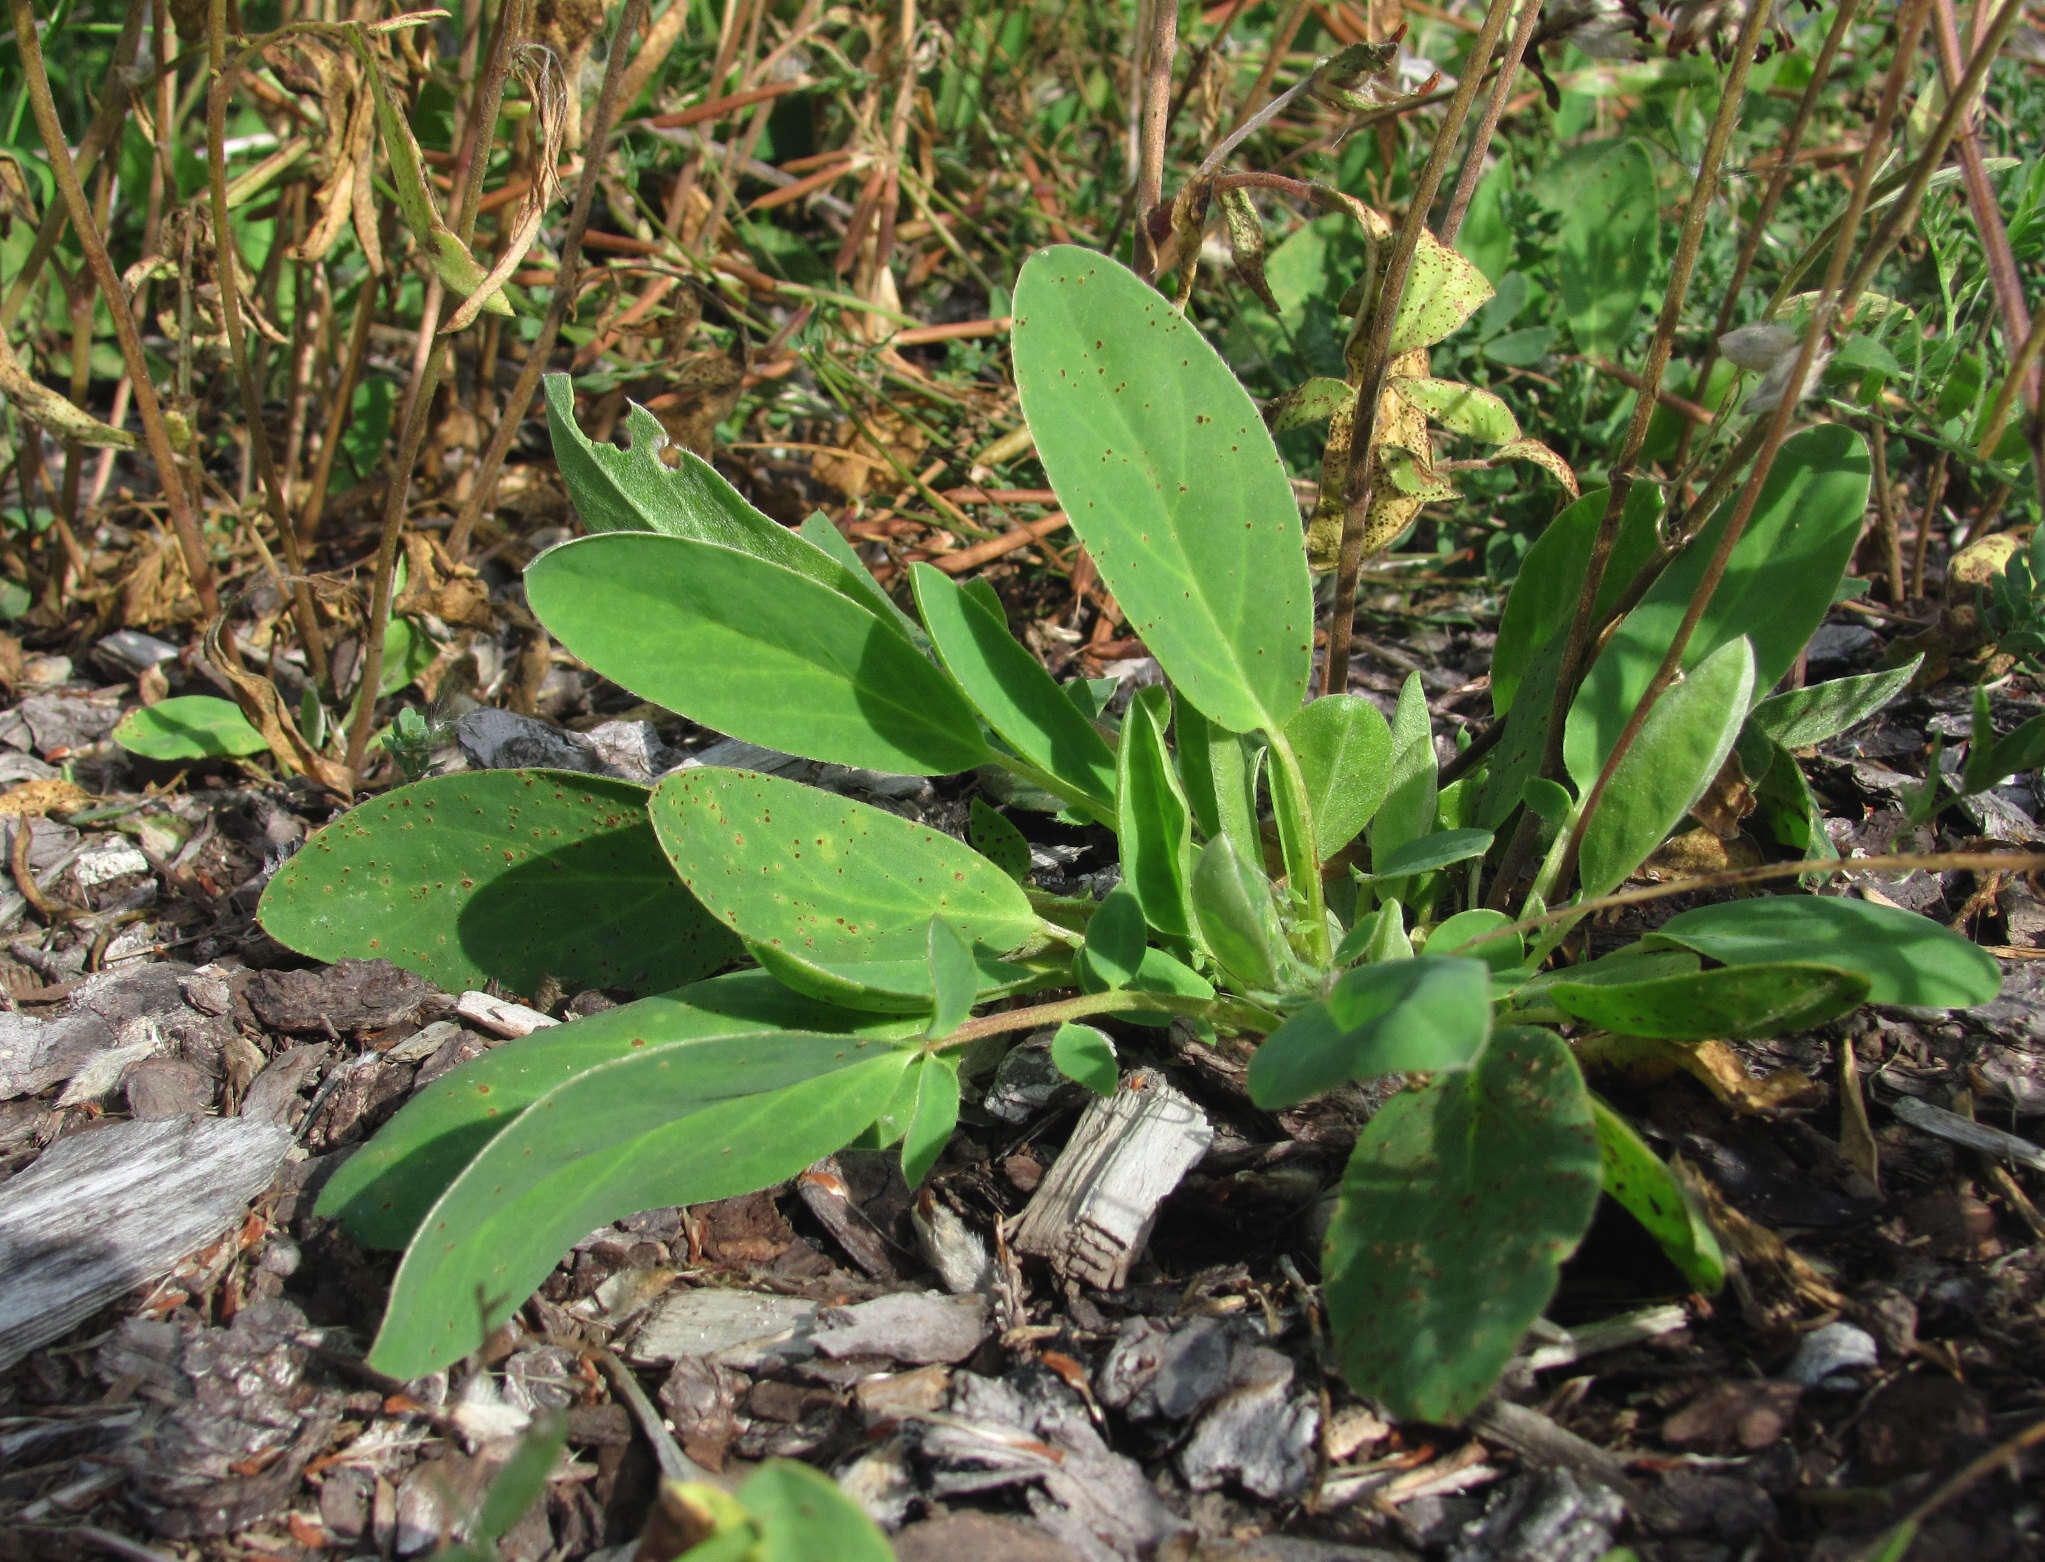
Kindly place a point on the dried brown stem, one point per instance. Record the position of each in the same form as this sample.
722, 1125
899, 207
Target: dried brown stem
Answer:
1377, 350
184, 521
566, 282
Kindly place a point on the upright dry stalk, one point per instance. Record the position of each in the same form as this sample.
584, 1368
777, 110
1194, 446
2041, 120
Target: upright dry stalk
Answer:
1357, 485
225, 74
183, 519
1157, 40
566, 280
1703, 193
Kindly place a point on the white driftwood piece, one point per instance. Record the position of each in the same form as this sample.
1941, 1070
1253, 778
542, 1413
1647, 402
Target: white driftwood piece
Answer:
1093, 1212
114, 1208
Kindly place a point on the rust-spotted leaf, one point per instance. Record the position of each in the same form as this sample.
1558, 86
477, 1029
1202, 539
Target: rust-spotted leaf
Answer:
499, 875
1163, 463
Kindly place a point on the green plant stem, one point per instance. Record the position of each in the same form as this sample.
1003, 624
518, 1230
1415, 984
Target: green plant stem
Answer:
226, 74
183, 519
1234, 1013
1294, 813
1370, 382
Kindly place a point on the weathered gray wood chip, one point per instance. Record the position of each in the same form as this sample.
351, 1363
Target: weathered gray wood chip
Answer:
1092, 1215
920, 1327
104, 1211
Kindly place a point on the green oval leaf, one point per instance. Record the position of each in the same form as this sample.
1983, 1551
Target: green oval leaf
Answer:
1085, 1056
1232, 903
1643, 1184
1153, 821
673, 1125
1545, 592
1163, 463
754, 650
1482, 934
498, 875
1015, 694
1438, 850
1421, 1015
999, 841
382, 1191
1344, 747
1414, 784
1457, 1210
1907, 959
1608, 248
804, 1515
1681, 746
1733, 1003
189, 726
1442, 291
1461, 409
932, 1116
1776, 590
824, 877
1798, 718
1115, 938
635, 490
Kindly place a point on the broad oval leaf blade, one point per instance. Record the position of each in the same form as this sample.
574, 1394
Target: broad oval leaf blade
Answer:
1457, 1210
634, 490
382, 1191
753, 650
1681, 746
1776, 589
189, 726
826, 877
1232, 903
1431, 1013
1163, 463
1344, 747
1733, 1003
671, 1125
499, 875
1907, 959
